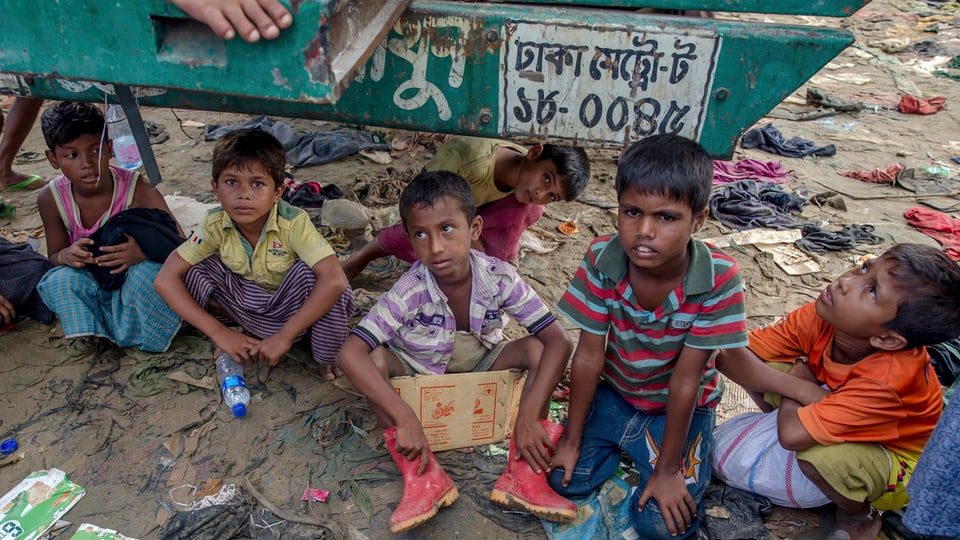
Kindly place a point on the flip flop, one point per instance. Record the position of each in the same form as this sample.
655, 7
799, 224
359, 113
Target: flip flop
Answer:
26, 184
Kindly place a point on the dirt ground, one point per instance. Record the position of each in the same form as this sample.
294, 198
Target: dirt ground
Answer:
137, 441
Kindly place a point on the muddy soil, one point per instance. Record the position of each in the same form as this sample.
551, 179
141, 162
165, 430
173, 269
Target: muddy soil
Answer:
137, 441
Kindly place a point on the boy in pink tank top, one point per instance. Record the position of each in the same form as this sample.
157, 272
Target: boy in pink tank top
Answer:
73, 206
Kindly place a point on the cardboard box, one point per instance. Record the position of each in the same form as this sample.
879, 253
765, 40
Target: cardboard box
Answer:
458, 410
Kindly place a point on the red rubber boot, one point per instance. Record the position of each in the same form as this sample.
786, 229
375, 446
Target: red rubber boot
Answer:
520, 488
422, 495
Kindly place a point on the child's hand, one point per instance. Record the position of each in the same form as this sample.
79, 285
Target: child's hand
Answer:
7, 313
123, 256
273, 348
566, 456
238, 345
533, 445
412, 443
77, 255
250, 19
676, 505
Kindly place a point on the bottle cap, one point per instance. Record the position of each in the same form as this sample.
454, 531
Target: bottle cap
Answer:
8, 446
239, 411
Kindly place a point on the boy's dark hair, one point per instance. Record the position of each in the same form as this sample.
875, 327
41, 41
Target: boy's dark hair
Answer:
929, 312
668, 165
429, 186
244, 147
572, 165
68, 120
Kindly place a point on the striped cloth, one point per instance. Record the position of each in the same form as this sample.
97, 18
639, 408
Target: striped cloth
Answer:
263, 313
132, 316
705, 312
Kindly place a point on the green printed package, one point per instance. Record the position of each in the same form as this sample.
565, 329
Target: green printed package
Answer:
92, 532
36, 503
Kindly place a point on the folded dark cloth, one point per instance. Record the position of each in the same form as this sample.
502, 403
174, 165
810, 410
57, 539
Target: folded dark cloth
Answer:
748, 204
311, 195
770, 139
314, 148
155, 231
817, 240
20, 269
281, 130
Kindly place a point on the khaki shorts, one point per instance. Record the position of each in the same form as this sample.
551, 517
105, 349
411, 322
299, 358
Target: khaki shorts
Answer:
858, 471
469, 355
863, 472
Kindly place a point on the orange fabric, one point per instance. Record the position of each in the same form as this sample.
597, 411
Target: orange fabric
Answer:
890, 398
913, 105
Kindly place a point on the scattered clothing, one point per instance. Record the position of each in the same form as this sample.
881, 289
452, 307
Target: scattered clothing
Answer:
815, 239
315, 148
747, 205
829, 198
877, 176
725, 172
156, 133
928, 48
20, 269
820, 98
281, 130
155, 231
321, 147
910, 104
936, 480
263, 312
939, 226
769, 138
945, 358
311, 194
745, 510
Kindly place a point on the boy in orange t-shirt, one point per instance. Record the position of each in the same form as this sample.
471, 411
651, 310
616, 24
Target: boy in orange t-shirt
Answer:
859, 438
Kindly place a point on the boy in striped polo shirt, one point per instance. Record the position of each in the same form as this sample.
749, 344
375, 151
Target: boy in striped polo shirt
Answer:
445, 316
653, 305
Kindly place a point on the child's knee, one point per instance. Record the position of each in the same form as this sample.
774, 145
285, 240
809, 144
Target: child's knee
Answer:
388, 364
65, 278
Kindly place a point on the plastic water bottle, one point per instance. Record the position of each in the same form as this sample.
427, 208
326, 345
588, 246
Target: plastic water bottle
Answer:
232, 385
124, 146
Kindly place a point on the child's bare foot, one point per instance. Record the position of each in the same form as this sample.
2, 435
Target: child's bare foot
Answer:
856, 527
330, 372
14, 181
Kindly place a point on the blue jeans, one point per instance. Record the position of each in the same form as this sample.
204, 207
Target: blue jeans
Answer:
614, 424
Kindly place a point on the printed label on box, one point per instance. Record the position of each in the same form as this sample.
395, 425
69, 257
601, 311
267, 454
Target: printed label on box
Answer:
463, 409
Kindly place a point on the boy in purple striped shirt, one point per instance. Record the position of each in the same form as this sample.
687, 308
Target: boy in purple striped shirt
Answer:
445, 316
